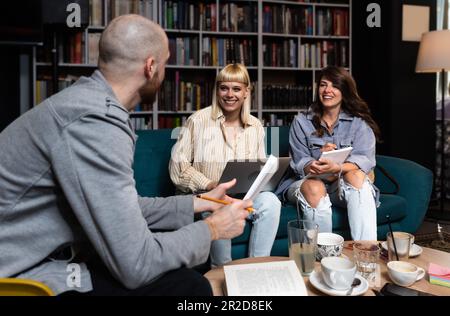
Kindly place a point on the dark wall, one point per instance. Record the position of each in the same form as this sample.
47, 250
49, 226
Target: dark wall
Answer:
402, 101
9, 85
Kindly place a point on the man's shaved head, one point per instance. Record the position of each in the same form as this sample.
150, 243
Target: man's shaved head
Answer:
127, 42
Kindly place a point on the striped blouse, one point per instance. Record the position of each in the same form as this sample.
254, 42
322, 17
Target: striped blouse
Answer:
202, 149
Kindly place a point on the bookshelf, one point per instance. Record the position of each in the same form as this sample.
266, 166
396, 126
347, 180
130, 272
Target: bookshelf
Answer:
284, 44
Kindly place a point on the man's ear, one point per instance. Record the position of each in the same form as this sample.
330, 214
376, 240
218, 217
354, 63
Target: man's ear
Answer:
149, 68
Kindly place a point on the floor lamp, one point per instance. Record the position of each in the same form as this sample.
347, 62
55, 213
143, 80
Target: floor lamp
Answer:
434, 57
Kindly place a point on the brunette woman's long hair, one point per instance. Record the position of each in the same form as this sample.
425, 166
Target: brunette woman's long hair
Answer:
351, 101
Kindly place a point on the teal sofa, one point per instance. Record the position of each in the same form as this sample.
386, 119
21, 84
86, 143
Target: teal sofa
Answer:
405, 187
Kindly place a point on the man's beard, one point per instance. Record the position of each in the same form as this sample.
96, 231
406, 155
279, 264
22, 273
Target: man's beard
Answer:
149, 91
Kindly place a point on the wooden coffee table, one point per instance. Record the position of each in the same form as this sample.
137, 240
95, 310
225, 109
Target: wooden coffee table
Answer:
216, 276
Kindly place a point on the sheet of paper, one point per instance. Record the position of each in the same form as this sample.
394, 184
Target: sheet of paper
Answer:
280, 278
269, 169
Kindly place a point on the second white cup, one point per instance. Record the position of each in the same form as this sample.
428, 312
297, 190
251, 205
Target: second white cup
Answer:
338, 273
404, 273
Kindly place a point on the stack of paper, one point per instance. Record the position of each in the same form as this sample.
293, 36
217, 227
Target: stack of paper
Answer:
439, 275
280, 278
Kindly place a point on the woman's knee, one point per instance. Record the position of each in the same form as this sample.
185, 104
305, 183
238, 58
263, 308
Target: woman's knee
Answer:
355, 178
313, 188
313, 191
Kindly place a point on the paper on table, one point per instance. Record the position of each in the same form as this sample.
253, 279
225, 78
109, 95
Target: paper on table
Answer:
269, 169
438, 270
280, 278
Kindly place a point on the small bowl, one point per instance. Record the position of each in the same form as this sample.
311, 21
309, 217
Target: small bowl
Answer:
329, 245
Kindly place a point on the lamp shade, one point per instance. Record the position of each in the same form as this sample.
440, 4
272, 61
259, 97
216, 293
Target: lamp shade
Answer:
434, 52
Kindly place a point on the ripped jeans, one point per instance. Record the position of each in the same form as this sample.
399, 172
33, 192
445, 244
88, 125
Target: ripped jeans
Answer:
265, 220
361, 207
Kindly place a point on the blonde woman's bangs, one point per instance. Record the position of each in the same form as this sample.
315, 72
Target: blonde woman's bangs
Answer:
233, 73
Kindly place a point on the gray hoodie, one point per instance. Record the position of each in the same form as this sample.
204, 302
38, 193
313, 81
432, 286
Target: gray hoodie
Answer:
66, 177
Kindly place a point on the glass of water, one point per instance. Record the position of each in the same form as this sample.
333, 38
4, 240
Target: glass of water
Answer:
302, 237
366, 255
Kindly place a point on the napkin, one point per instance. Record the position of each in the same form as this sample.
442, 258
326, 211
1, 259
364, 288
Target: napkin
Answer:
439, 275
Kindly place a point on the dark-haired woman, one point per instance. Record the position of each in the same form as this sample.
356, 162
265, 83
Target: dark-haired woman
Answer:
338, 119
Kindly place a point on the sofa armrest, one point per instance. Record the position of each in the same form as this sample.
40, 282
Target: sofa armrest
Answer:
415, 185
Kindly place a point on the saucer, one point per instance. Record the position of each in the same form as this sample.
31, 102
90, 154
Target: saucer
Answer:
317, 281
415, 250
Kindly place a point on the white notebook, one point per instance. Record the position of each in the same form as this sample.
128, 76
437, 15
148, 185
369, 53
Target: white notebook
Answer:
339, 156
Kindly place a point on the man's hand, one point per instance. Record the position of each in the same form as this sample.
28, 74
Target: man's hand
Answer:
228, 221
218, 193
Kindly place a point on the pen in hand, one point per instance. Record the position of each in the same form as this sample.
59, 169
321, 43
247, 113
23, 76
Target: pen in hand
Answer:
203, 197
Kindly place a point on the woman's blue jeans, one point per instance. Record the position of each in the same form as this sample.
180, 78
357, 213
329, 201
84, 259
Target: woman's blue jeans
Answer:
265, 220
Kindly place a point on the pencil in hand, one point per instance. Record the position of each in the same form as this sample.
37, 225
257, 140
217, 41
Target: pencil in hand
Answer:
203, 197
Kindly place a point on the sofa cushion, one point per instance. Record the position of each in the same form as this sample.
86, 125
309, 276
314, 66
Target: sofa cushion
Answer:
151, 160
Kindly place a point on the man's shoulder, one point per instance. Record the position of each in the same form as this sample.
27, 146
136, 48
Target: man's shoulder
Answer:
84, 98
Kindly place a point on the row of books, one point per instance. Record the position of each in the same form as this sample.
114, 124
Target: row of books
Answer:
184, 51
238, 18
181, 15
218, 52
280, 53
287, 20
287, 96
71, 48
193, 16
324, 53
180, 95
118, 7
332, 22
223, 51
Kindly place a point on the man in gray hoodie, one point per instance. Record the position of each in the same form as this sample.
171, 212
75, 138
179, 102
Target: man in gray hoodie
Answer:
67, 191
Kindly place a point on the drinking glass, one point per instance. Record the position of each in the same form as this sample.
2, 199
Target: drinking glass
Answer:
366, 255
302, 237
402, 244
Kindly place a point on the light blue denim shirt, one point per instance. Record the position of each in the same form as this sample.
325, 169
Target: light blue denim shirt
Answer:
348, 131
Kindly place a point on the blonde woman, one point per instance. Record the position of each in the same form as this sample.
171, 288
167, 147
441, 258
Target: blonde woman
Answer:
212, 136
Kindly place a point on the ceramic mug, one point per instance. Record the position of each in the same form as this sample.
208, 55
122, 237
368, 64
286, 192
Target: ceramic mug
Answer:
404, 273
329, 245
338, 273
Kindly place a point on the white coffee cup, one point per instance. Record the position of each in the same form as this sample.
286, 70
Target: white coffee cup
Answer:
329, 245
338, 273
404, 273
